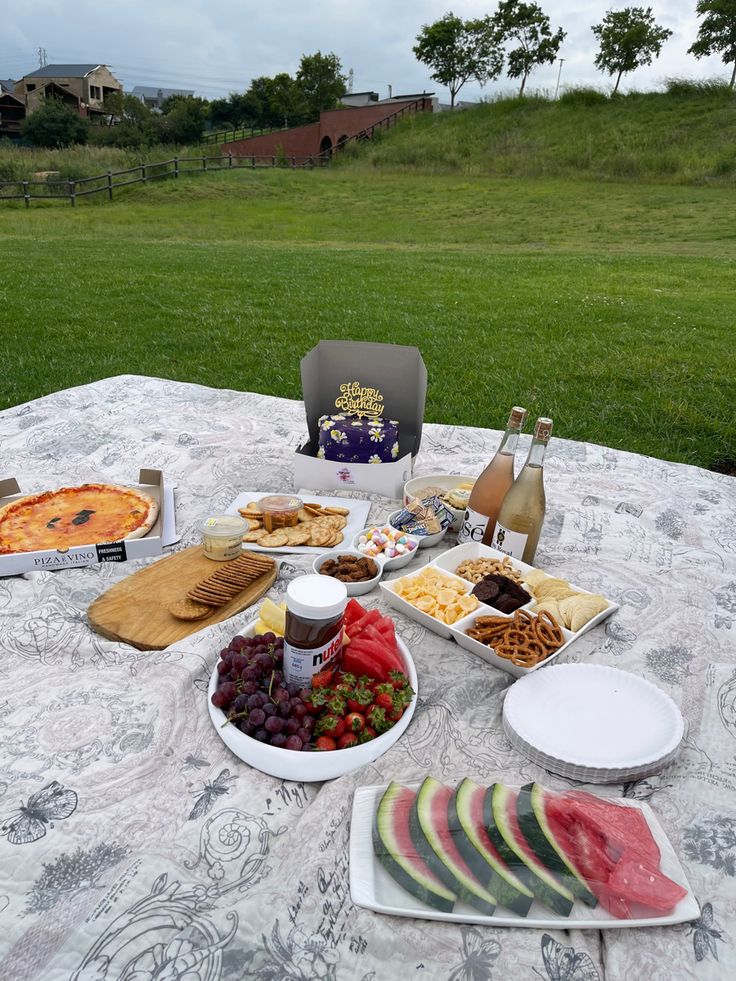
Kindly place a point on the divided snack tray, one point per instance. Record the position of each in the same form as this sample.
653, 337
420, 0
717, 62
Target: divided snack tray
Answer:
447, 563
373, 888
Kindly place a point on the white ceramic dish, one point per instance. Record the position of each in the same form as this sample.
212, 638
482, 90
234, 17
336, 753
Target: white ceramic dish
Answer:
373, 888
356, 519
594, 717
457, 630
425, 541
415, 486
431, 623
387, 564
353, 588
309, 767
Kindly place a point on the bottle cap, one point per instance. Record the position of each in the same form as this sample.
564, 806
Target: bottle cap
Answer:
517, 417
543, 429
316, 597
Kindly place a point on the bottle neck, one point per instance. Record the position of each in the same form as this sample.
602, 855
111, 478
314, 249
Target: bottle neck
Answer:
509, 442
536, 453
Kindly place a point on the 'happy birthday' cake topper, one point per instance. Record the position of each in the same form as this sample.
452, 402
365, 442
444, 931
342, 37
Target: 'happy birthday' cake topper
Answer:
360, 401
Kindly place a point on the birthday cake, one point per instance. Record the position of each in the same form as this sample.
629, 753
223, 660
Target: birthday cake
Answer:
350, 438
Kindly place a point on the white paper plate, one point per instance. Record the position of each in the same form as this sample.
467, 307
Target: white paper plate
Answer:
372, 887
307, 767
357, 519
593, 716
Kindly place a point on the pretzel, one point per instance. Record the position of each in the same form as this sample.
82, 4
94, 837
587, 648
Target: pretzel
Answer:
523, 639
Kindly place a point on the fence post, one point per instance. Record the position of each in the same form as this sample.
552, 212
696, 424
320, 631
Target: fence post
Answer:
230, 159
253, 160
311, 162
273, 161
204, 163
109, 185
293, 162
143, 173
73, 192
176, 166
26, 195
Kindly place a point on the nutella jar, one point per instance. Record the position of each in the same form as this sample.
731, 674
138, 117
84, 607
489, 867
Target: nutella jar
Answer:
315, 606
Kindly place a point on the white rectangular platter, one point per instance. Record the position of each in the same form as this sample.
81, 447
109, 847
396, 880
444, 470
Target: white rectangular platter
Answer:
373, 888
357, 520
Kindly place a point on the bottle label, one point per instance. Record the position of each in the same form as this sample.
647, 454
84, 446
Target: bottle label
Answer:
301, 664
473, 527
509, 542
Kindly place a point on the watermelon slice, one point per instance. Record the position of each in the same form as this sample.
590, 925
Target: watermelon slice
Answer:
357, 626
636, 882
499, 815
395, 850
624, 828
434, 840
465, 818
353, 611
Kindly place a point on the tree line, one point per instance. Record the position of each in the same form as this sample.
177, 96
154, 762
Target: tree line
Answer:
519, 37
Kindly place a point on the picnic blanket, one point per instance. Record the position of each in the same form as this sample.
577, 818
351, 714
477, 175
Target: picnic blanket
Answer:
134, 845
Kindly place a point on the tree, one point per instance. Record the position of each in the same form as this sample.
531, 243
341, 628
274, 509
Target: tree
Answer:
628, 39
457, 51
717, 31
526, 25
182, 120
320, 82
55, 125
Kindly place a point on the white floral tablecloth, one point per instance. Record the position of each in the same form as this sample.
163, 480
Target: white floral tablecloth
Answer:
134, 846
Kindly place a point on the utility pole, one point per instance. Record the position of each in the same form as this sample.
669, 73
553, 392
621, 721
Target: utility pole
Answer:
42, 58
351, 76
557, 87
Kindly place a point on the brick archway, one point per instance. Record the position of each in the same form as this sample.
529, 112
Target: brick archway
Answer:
325, 147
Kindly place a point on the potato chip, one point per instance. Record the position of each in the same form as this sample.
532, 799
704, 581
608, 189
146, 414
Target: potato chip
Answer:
437, 594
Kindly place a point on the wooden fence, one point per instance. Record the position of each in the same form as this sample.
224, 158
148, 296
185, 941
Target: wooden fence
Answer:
231, 135
70, 190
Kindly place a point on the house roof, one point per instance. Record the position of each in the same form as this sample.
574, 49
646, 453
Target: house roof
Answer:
9, 95
153, 92
7, 85
62, 71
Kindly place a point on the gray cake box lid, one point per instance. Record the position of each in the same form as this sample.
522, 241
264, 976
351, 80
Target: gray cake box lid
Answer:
397, 371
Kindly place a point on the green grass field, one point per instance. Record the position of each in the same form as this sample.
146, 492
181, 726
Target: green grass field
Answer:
605, 305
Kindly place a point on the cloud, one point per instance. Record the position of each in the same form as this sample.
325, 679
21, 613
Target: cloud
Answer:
217, 46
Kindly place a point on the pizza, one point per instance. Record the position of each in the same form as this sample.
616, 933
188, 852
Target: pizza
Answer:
84, 515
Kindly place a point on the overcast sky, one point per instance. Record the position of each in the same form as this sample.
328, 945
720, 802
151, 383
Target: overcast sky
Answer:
217, 46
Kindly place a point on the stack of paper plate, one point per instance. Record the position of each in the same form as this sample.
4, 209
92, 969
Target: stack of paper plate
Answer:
592, 723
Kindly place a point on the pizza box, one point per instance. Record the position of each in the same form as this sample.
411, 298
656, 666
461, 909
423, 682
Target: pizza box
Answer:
398, 374
163, 533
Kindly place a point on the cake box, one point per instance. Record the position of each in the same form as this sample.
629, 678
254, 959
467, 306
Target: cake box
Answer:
340, 376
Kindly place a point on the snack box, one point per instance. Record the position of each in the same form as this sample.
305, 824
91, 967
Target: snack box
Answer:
447, 563
398, 373
163, 533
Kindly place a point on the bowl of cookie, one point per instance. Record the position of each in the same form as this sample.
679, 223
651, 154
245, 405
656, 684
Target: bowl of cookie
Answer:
360, 573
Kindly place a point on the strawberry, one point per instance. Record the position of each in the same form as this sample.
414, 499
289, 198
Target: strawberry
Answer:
367, 734
325, 744
376, 718
330, 725
395, 714
354, 722
347, 740
384, 701
360, 700
398, 679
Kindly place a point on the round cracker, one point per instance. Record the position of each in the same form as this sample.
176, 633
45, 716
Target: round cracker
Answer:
255, 535
187, 609
275, 539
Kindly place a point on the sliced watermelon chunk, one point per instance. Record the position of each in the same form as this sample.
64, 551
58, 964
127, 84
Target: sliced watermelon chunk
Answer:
357, 626
624, 828
395, 850
434, 840
353, 611
636, 882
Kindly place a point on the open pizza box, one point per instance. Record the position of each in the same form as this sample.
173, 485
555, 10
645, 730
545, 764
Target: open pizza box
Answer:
162, 533
398, 373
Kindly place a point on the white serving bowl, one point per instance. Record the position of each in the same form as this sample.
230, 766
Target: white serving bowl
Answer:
425, 541
353, 588
413, 489
388, 564
287, 764
426, 619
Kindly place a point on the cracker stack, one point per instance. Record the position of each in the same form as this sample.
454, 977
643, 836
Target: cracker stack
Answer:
222, 586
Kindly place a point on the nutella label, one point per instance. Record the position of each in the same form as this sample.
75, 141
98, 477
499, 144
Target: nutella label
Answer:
301, 664
473, 527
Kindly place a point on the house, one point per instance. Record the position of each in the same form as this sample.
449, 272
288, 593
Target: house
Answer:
6, 85
82, 86
12, 114
358, 99
154, 97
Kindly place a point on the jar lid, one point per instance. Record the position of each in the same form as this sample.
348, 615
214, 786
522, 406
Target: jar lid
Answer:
223, 525
280, 502
316, 597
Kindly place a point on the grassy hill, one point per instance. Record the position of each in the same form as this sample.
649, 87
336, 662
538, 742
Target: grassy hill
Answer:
686, 134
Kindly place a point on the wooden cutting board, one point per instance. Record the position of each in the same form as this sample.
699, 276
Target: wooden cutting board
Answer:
135, 611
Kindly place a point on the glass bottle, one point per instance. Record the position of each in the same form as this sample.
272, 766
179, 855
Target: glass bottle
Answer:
521, 516
490, 488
